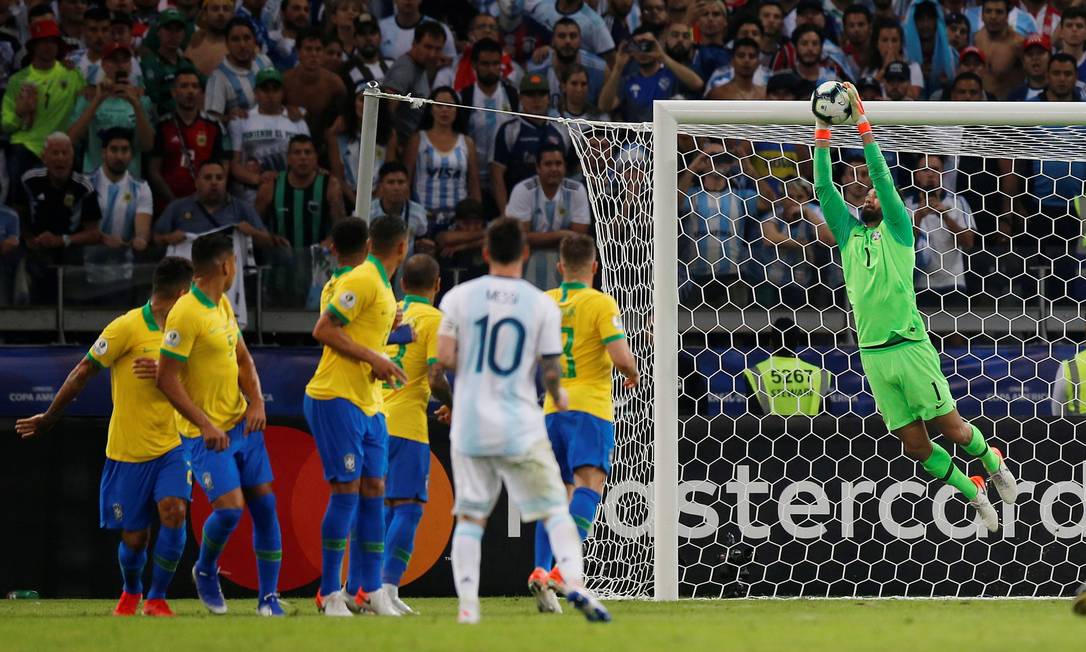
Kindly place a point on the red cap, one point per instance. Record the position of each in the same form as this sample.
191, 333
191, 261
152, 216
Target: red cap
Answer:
1037, 40
114, 48
43, 29
972, 49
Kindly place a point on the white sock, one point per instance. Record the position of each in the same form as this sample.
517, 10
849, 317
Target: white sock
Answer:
566, 546
467, 550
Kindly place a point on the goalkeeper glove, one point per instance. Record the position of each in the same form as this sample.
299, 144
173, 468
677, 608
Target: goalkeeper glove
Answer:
857, 104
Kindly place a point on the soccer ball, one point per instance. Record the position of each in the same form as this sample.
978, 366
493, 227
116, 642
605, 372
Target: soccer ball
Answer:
830, 103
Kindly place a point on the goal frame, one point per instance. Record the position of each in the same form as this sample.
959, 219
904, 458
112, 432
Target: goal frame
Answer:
668, 117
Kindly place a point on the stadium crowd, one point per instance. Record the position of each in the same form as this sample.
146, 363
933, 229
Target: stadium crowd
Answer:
132, 126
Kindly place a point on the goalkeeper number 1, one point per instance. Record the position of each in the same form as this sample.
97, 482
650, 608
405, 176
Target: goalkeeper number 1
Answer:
901, 365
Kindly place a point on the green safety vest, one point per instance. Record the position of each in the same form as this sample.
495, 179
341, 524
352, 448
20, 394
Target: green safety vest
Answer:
1074, 403
1082, 238
788, 386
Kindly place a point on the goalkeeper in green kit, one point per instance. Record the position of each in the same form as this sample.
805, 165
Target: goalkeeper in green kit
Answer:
901, 365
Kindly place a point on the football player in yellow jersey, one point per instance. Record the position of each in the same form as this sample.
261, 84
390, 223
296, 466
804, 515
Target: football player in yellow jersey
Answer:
145, 463
405, 410
343, 405
583, 436
209, 377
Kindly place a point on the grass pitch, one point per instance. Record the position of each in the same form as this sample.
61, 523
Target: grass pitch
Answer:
511, 624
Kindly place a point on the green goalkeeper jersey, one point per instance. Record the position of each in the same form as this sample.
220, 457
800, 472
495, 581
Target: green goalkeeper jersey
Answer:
878, 261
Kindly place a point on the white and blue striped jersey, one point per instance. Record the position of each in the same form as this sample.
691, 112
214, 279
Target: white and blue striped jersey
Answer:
441, 178
568, 206
502, 326
595, 36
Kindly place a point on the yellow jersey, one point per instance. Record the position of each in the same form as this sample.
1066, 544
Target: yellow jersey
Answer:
405, 408
141, 427
204, 336
590, 320
329, 289
362, 300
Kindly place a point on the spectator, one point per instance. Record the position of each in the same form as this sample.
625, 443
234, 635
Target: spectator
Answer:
489, 91
209, 209
120, 31
393, 198
857, 38
1002, 48
870, 89
312, 87
334, 55
294, 15
96, 35
812, 13
1044, 14
748, 29
161, 66
946, 232
778, 53
461, 74
260, 139
790, 231
620, 18
341, 24
519, 140
11, 42
784, 86
62, 216
343, 143
207, 47
398, 31
714, 241
551, 207
1062, 81
70, 19
1036, 52
38, 100
926, 43
299, 206
573, 102
897, 81
413, 73
653, 16
743, 85
972, 60
367, 64
1073, 37
229, 93
10, 255
441, 160
594, 33
116, 102
656, 77
967, 87
958, 31
126, 205
887, 47
252, 11
564, 52
810, 64
461, 247
189, 10
712, 25
184, 141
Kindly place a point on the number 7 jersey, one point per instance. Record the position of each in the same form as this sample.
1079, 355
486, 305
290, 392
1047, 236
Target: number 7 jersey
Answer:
502, 326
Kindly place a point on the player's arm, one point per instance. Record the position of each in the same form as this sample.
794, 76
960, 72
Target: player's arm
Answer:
551, 367
894, 213
624, 361
329, 332
834, 209
168, 382
249, 381
73, 385
446, 351
613, 337
439, 383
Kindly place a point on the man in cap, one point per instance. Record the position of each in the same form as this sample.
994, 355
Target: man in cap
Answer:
897, 81
518, 141
870, 89
38, 100
162, 65
1036, 51
116, 102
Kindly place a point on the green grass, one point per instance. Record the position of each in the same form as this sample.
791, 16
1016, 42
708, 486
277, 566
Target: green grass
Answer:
511, 624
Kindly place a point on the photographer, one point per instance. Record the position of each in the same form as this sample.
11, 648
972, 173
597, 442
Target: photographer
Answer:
115, 103
657, 77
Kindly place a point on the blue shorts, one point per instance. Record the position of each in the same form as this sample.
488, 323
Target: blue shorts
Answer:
408, 469
244, 464
580, 439
130, 491
351, 444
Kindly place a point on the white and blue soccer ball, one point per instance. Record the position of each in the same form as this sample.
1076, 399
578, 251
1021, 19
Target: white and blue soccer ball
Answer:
830, 103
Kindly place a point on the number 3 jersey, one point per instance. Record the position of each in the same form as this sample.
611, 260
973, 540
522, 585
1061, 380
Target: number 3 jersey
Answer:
502, 326
590, 321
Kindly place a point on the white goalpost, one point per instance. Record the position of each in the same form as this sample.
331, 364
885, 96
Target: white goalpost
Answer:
708, 233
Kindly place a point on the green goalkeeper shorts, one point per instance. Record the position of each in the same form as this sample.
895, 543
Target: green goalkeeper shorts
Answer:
907, 383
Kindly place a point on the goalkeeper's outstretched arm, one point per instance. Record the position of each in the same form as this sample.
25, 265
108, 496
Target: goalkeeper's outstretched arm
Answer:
894, 214
834, 209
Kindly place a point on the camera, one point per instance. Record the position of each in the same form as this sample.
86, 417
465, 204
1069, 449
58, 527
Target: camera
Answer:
642, 46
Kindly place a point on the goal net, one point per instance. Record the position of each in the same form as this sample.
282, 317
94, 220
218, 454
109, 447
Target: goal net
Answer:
710, 234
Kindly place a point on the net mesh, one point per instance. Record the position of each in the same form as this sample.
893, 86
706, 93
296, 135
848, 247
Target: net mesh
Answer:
828, 506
